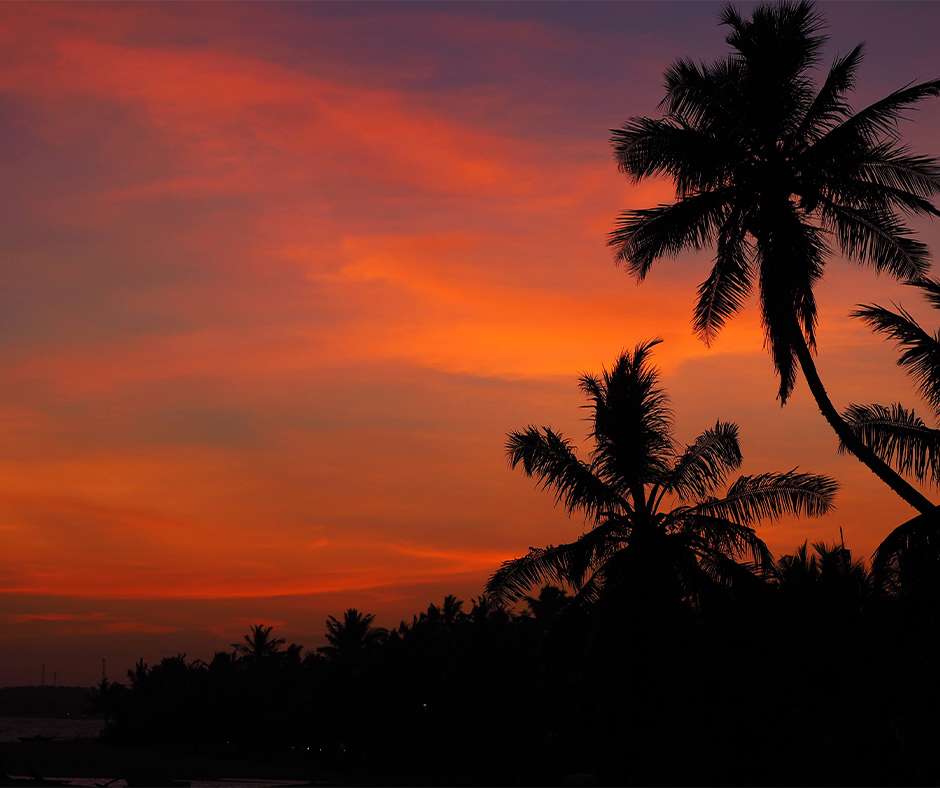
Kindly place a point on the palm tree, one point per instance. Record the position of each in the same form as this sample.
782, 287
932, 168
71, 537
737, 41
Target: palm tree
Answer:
769, 171
896, 433
633, 537
258, 643
550, 602
908, 560
486, 609
352, 637
452, 610
829, 576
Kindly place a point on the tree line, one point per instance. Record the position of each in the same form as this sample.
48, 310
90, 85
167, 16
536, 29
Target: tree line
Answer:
807, 674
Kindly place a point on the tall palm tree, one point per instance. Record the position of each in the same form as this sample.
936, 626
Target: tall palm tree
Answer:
771, 172
649, 504
351, 638
909, 557
258, 643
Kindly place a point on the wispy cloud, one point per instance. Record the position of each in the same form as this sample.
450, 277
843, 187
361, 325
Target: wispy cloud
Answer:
276, 284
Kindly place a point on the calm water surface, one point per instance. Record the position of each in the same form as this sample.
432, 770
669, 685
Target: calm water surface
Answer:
92, 782
12, 728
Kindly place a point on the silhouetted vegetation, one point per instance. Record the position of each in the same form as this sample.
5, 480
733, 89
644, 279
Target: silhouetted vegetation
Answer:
909, 558
810, 674
772, 172
669, 646
657, 532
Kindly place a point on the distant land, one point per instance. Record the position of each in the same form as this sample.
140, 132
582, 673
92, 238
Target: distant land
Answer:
44, 701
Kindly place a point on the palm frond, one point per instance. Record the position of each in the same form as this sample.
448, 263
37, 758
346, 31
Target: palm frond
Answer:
897, 166
515, 578
695, 160
642, 236
830, 106
877, 237
729, 283
777, 329
699, 95
877, 198
777, 45
727, 573
590, 591
920, 351
770, 496
786, 31
704, 465
880, 119
567, 565
930, 288
899, 437
631, 421
907, 562
551, 460
734, 540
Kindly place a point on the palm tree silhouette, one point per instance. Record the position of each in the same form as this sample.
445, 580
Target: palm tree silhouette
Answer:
635, 467
486, 609
829, 572
896, 433
908, 560
797, 571
352, 637
767, 171
548, 604
452, 610
258, 644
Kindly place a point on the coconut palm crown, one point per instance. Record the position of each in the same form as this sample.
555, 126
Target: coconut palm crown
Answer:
352, 637
772, 172
259, 643
894, 432
650, 505
910, 555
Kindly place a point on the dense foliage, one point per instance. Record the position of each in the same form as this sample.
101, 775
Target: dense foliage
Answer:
810, 675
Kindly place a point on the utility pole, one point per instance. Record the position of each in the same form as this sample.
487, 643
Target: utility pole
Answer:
42, 680
104, 670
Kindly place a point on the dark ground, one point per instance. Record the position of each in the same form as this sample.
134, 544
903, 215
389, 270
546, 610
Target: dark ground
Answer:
94, 758
44, 701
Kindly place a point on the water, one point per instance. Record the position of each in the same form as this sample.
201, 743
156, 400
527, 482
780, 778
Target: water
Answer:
12, 728
92, 782
64, 729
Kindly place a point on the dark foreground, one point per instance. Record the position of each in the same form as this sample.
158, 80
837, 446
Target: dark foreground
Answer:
86, 763
814, 677
154, 765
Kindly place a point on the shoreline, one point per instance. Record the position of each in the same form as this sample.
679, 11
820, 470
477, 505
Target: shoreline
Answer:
93, 758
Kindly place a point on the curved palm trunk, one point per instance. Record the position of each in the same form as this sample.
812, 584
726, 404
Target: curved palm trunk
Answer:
849, 439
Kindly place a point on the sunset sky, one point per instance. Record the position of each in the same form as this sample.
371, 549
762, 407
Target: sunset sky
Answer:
277, 280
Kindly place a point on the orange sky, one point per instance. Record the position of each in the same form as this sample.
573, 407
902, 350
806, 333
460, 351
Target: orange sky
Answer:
277, 279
